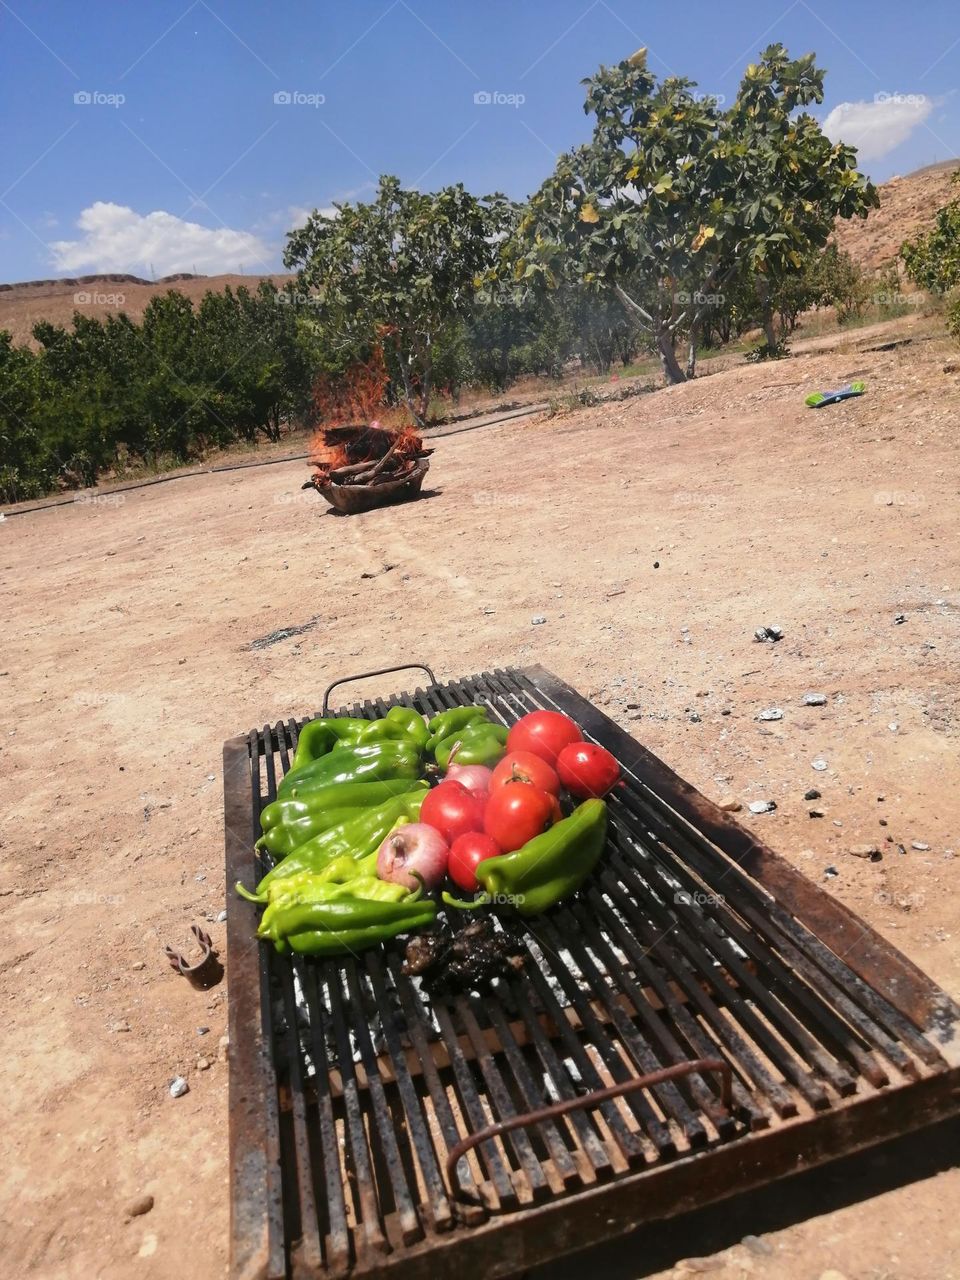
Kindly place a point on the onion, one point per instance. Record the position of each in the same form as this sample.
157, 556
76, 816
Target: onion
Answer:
475, 777
414, 847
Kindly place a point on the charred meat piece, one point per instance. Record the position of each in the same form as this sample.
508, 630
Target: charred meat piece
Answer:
427, 950
466, 959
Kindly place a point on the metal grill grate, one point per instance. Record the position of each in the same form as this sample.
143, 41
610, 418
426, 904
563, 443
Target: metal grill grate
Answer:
350, 1085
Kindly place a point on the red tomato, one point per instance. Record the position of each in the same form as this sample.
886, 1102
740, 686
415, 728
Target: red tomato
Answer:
545, 733
515, 814
466, 854
452, 810
524, 766
587, 770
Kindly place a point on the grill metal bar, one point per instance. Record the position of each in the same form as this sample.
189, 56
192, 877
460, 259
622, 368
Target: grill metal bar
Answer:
783, 977
561, 1084
308, 1249
762, 911
568, 1172
766, 997
437, 1203
338, 1253
338, 1169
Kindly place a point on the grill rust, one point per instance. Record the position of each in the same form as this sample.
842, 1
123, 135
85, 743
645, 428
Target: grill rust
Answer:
777, 1029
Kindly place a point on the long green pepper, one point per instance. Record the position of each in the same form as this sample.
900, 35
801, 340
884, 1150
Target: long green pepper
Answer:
358, 837
371, 763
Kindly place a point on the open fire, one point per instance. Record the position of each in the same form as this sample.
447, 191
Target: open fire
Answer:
361, 466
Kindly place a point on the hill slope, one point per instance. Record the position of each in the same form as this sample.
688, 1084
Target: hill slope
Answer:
907, 204
22, 305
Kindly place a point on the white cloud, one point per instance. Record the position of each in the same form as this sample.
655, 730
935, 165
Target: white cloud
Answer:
116, 238
876, 128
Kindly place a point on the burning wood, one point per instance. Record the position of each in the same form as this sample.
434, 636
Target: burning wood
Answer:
356, 467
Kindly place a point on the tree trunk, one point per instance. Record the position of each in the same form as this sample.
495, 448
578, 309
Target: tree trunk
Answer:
767, 315
425, 389
668, 358
692, 353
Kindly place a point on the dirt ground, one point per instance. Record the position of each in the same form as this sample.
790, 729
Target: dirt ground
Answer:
127, 661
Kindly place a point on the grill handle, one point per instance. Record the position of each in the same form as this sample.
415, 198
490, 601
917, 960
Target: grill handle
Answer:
365, 675
578, 1104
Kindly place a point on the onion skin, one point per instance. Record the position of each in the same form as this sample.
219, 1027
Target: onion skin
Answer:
475, 777
414, 855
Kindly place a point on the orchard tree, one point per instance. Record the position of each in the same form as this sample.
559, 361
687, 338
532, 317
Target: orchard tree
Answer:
399, 271
932, 258
672, 197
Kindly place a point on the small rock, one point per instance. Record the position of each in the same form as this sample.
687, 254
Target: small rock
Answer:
694, 718
865, 851
762, 806
883, 822
893, 726
221, 917
819, 765
764, 634
537, 620
117, 1027
730, 805
223, 1045
817, 813
202, 1031
758, 1246
811, 794
900, 617
830, 871
919, 846
725, 711
138, 965
204, 1064
771, 713
178, 1087
881, 799
814, 699
138, 1206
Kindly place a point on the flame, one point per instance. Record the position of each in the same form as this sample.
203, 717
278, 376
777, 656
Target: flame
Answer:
342, 446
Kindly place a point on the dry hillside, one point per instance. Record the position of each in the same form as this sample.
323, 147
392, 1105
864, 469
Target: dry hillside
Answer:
22, 305
907, 205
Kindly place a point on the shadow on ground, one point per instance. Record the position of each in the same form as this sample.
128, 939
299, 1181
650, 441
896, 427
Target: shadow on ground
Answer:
659, 1246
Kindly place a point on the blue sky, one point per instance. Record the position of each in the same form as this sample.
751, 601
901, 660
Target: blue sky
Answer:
176, 155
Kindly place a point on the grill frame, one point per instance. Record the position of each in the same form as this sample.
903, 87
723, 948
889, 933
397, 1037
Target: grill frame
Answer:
274, 1233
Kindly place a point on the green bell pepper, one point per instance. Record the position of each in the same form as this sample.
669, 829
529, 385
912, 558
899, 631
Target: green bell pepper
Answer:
317, 737
478, 743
